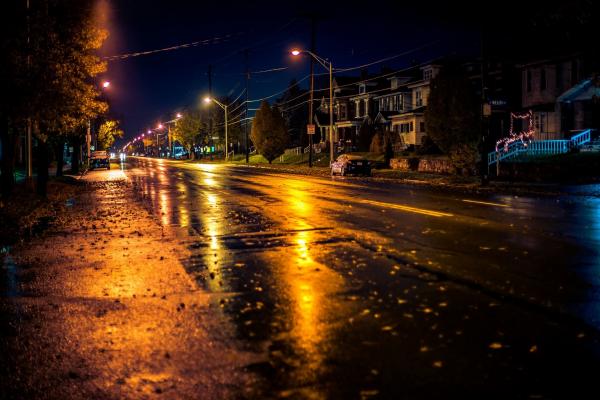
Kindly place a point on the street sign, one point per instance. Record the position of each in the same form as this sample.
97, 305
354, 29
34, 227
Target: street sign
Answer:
487, 109
310, 129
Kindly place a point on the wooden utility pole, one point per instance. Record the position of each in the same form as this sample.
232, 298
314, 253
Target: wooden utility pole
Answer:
313, 34
246, 121
210, 94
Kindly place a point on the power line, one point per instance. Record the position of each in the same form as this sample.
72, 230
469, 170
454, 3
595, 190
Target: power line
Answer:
211, 41
336, 70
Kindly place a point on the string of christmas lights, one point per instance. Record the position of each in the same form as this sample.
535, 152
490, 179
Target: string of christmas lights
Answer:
524, 137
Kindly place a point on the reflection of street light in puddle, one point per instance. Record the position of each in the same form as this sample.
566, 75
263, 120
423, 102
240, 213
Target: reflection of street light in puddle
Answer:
302, 249
211, 198
210, 181
164, 206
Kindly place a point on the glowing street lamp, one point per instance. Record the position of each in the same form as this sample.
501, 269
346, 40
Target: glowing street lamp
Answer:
178, 115
224, 107
327, 65
88, 136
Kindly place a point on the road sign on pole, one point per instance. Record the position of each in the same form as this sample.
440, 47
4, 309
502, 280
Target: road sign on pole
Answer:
310, 129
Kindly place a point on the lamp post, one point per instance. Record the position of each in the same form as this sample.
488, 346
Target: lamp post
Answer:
169, 139
158, 128
224, 107
327, 65
88, 136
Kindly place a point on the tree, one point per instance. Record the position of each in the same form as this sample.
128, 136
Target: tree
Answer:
452, 117
295, 111
187, 130
107, 134
51, 78
269, 133
365, 135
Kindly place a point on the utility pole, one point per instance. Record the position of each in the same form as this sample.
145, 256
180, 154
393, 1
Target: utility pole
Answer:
170, 141
313, 24
210, 121
88, 141
28, 139
485, 109
246, 111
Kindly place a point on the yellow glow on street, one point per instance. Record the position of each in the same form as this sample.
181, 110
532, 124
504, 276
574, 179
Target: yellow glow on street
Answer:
415, 210
210, 182
211, 198
207, 167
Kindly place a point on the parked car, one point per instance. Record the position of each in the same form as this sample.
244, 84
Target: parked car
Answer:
100, 159
348, 164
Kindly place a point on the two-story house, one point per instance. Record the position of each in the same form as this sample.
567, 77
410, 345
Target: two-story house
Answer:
397, 100
542, 83
409, 123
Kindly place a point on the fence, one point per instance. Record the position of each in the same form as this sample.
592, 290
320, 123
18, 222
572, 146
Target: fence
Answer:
540, 147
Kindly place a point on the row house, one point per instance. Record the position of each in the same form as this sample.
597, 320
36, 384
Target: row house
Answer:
401, 109
355, 106
394, 103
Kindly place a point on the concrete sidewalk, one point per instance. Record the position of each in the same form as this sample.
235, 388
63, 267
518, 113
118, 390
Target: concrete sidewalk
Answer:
100, 306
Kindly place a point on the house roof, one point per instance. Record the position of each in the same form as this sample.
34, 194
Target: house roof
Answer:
384, 117
584, 90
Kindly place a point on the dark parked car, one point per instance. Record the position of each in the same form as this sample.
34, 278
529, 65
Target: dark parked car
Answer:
348, 164
100, 159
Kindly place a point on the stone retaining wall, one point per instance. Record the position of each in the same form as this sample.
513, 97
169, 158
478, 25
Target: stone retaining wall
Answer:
432, 165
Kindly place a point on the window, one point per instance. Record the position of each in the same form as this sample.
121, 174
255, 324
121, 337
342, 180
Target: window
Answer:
418, 98
411, 127
343, 112
422, 126
528, 80
427, 74
361, 89
543, 82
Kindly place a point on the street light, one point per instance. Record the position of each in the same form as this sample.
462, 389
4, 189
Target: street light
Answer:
88, 136
224, 107
327, 65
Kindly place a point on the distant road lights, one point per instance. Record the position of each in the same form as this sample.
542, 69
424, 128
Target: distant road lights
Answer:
178, 115
207, 100
105, 84
160, 126
296, 52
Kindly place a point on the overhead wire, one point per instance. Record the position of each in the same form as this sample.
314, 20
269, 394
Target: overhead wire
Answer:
214, 40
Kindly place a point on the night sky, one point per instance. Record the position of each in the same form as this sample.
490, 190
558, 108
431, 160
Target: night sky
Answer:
150, 88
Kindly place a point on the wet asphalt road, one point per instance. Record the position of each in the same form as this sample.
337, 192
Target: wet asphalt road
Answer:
354, 288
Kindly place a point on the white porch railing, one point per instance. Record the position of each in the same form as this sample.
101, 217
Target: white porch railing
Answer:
540, 147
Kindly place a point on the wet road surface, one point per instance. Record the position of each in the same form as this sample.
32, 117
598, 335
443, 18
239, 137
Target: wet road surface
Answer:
351, 288
211, 281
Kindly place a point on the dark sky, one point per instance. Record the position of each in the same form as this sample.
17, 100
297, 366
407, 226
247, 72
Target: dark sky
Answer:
148, 88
